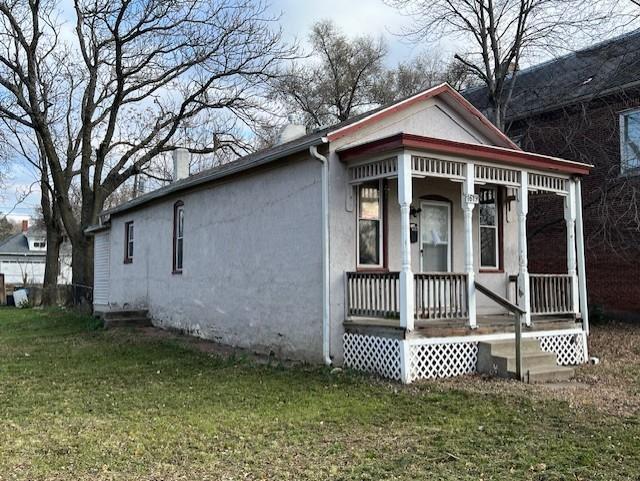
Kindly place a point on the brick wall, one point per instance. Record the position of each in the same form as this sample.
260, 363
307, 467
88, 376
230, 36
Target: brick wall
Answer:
589, 132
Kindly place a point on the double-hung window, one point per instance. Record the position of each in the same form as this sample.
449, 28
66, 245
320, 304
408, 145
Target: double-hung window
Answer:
370, 224
128, 242
630, 142
178, 237
489, 229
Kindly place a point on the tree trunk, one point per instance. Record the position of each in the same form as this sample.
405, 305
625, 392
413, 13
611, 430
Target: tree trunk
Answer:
53, 225
82, 268
51, 267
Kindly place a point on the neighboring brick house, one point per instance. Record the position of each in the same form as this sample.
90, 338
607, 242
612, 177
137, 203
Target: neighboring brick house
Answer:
586, 107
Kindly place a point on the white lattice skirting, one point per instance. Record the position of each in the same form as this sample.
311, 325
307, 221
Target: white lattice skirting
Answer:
571, 349
441, 358
378, 355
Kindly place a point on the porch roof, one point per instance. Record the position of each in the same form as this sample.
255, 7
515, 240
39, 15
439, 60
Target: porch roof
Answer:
464, 150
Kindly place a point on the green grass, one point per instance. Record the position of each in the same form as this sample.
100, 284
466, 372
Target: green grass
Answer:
77, 402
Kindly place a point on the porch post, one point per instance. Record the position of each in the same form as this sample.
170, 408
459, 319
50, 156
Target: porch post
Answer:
570, 219
467, 206
523, 260
582, 270
405, 196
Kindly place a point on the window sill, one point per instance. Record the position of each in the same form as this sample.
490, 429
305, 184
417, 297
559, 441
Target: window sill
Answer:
491, 271
128, 261
177, 272
371, 269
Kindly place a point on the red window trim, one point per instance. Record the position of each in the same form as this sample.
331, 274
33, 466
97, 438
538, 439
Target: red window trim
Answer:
127, 258
174, 268
383, 204
500, 196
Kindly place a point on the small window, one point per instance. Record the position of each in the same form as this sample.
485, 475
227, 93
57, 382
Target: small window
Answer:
178, 237
630, 142
128, 242
370, 224
489, 220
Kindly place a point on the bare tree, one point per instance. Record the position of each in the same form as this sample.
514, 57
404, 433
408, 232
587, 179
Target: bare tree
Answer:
21, 145
125, 86
7, 228
503, 33
338, 80
425, 71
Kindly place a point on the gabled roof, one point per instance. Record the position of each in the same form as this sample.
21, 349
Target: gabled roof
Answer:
445, 92
17, 244
602, 69
323, 135
490, 153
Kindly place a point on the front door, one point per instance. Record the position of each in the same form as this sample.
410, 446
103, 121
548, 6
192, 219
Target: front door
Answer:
435, 236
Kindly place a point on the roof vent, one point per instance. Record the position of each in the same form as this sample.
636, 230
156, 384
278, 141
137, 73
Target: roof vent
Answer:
291, 131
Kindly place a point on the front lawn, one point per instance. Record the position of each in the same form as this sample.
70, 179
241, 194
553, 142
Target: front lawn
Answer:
78, 403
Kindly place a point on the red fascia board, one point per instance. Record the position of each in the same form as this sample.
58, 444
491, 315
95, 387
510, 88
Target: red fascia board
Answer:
433, 92
349, 129
516, 158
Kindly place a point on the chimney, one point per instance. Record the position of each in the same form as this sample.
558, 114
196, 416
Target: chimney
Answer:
25, 225
180, 163
291, 131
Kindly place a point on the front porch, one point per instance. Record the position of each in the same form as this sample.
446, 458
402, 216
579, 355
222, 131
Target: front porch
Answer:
408, 324
442, 298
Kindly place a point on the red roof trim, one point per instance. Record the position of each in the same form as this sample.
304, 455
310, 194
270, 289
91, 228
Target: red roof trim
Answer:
490, 153
427, 94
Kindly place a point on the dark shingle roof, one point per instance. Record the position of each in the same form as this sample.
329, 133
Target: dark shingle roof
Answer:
16, 244
599, 70
243, 163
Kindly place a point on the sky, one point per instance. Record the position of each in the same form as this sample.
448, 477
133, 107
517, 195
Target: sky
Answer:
354, 17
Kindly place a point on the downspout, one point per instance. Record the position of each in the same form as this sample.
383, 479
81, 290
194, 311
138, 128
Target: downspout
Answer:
326, 306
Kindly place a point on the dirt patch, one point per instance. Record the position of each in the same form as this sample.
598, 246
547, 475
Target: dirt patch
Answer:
612, 386
211, 347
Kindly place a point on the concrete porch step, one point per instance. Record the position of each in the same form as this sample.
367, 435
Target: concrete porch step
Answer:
126, 318
498, 358
124, 313
530, 360
508, 348
554, 374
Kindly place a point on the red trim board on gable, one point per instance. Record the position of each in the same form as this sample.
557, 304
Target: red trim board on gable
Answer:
443, 89
490, 153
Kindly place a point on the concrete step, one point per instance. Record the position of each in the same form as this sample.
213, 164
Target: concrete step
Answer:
121, 314
498, 358
530, 360
126, 318
132, 322
508, 347
555, 374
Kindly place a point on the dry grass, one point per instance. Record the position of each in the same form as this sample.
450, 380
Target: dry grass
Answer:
611, 387
82, 404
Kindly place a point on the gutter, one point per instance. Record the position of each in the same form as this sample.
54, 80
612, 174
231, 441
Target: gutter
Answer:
326, 303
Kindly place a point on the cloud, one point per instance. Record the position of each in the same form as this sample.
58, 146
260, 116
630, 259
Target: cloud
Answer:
354, 17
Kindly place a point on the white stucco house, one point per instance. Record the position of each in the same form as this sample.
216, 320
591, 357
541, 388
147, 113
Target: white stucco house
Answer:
394, 242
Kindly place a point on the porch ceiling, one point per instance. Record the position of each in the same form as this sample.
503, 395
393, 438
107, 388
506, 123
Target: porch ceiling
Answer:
466, 151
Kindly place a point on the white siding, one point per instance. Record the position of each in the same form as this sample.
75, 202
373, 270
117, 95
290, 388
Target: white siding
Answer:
101, 257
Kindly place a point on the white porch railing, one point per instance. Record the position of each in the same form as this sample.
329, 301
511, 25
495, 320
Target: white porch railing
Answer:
373, 294
551, 293
441, 296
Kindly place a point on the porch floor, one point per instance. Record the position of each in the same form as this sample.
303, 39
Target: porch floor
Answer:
494, 324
